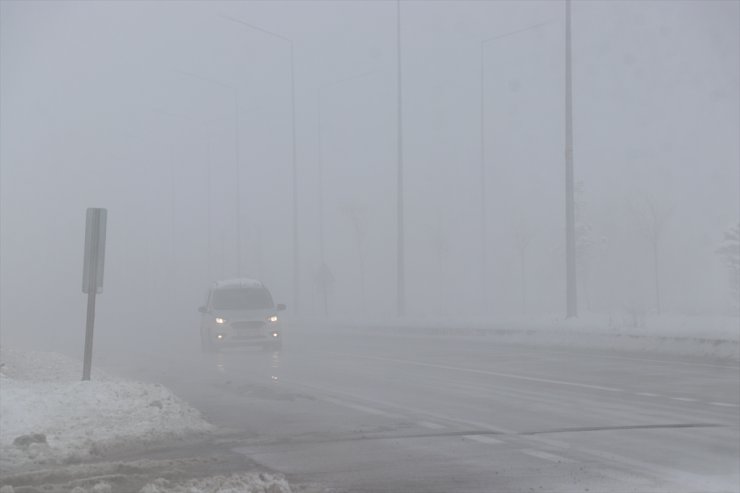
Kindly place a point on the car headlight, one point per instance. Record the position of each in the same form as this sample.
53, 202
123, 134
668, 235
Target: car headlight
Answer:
272, 318
220, 320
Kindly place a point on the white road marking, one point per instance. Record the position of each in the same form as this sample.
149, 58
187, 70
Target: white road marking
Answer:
488, 440
493, 373
684, 399
651, 360
430, 425
548, 441
408, 409
648, 394
361, 408
625, 478
724, 404
545, 455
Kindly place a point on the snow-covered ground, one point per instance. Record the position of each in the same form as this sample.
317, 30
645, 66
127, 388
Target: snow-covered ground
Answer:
710, 336
236, 483
49, 416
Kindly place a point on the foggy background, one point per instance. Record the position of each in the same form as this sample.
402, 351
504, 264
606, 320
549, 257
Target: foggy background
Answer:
131, 106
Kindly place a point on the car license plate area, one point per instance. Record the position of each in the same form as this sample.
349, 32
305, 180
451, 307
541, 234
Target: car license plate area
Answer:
248, 330
248, 334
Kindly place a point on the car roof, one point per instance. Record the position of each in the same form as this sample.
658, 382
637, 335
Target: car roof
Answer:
237, 283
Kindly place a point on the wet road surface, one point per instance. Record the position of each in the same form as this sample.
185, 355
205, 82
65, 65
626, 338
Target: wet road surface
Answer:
376, 412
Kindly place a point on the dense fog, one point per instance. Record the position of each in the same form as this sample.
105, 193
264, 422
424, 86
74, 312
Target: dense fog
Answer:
178, 118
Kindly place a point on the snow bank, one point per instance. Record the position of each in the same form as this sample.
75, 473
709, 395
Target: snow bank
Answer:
711, 336
236, 483
48, 416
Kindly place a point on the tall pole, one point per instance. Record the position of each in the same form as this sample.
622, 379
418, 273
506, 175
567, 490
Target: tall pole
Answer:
400, 268
209, 206
482, 177
324, 270
322, 252
571, 309
483, 218
294, 167
238, 221
238, 187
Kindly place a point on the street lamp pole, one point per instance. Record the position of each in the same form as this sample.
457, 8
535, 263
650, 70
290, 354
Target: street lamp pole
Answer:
207, 132
294, 167
320, 122
237, 153
237, 159
571, 308
400, 246
483, 210
482, 177
322, 254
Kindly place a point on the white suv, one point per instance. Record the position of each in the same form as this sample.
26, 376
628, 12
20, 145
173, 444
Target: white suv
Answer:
240, 312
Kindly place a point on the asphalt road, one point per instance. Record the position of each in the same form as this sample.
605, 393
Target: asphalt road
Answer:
367, 412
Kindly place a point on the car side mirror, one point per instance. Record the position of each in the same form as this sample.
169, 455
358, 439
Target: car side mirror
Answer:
281, 307
202, 309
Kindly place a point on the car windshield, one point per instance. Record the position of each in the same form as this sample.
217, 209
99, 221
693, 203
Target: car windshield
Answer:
242, 299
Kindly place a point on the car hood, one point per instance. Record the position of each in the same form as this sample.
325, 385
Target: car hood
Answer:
245, 315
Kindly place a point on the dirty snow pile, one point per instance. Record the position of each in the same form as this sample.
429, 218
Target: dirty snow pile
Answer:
48, 416
236, 483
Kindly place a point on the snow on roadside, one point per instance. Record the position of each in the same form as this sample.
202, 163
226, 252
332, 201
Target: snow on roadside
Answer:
709, 336
236, 483
49, 416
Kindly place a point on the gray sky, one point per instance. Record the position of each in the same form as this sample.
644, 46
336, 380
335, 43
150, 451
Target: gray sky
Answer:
96, 110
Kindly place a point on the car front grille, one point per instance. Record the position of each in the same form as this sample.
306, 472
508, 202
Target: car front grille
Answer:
247, 325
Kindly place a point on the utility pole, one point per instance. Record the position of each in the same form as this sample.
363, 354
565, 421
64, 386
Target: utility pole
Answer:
324, 272
400, 268
237, 159
483, 206
482, 176
238, 187
571, 308
294, 170
322, 252
294, 167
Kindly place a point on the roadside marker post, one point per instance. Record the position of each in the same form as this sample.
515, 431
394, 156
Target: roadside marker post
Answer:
92, 275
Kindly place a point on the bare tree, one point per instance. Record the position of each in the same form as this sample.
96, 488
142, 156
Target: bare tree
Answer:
729, 250
651, 221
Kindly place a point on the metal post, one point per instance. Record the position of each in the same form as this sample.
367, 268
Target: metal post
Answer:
322, 253
483, 188
483, 218
400, 268
296, 256
238, 221
571, 309
89, 335
209, 206
238, 187
92, 285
